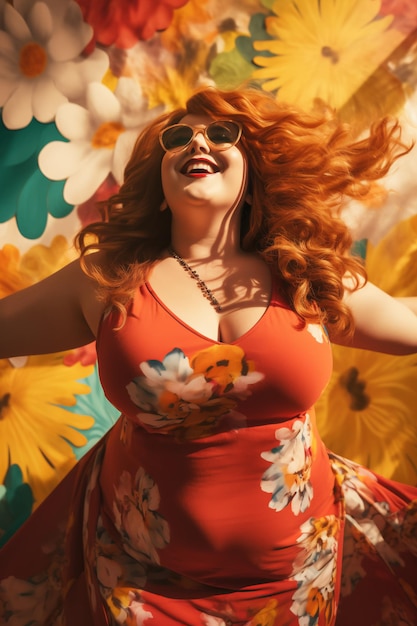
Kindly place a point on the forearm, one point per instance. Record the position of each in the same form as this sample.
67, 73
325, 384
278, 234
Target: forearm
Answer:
409, 302
382, 323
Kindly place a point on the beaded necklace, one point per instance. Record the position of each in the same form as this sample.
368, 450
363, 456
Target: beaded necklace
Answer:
207, 293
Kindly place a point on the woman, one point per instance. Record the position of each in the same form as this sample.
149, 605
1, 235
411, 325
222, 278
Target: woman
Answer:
218, 275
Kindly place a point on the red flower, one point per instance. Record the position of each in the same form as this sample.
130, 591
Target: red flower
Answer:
123, 22
404, 13
88, 211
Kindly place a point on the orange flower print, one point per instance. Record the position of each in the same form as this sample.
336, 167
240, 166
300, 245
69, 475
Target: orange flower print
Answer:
227, 369
189, 397
126, 606
266, 616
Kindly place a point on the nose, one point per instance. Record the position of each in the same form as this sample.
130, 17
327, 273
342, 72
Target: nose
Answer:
199, 141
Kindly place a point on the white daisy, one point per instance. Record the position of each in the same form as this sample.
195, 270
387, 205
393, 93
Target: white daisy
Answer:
40, 62
101, 138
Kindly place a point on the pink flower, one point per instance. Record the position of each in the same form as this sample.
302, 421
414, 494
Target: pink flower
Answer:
86, 355
123, 22
88, 211
404, 13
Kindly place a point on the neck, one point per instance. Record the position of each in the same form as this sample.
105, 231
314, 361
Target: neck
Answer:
219, 239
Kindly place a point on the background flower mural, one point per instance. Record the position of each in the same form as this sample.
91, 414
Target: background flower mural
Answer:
78, 80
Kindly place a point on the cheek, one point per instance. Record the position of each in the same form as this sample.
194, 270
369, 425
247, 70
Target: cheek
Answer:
238, 171
168, 175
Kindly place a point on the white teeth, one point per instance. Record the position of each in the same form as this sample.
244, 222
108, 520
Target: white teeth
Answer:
198, 166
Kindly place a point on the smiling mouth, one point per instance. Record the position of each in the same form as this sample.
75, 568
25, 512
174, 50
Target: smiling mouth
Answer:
199, 168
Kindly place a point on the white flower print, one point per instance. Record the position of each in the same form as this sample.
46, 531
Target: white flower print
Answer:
366, 520
317, 332
142, 528
211, 620
190, 397
136, 609
288, 477
315, 570
174, 375
127, 607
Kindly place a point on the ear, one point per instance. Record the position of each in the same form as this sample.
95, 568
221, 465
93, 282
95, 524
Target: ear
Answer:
163, 206
248, 199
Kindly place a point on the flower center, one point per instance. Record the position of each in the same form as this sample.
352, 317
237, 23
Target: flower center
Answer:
4, 403
331, 54
106, 135
32, 60
359, 400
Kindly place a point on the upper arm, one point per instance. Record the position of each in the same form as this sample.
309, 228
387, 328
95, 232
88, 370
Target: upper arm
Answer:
58, 313
382, 323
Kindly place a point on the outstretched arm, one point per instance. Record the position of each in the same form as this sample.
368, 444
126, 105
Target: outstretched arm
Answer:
58, 313
382, 323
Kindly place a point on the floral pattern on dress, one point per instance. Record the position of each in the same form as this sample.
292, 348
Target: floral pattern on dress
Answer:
189, 397
142, 529
394, 614
36, 600
288, 477
315, 571
265, 616
121, 579
374, 531
123, 570
28, 601
404, 524
127, 607
318, 332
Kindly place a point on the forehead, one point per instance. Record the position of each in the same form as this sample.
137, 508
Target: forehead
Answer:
196, 120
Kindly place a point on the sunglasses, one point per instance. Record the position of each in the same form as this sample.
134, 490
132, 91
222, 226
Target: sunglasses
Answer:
221, 135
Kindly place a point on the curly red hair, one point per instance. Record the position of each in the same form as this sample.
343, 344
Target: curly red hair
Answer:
302, 166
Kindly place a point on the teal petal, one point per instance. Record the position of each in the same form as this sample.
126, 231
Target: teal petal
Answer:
258, 32
15, 146
19, 145
48, 133
96, 405
55, 202
11, 180
31, 214
26, 193
359, 248
16, 503
13, 478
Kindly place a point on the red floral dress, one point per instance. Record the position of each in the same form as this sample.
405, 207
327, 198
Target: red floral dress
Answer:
213, 500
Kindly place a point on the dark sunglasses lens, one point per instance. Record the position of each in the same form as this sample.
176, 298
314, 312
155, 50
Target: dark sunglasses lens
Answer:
223, 133
176, 137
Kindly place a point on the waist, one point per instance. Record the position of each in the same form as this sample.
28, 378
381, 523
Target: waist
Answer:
233, 504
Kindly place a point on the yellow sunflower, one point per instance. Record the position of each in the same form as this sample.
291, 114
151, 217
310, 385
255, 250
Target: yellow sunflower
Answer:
35, 432
368, 412
174, 85
323, 49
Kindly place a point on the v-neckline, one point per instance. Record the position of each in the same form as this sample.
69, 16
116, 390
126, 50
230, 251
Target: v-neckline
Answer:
198, 333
